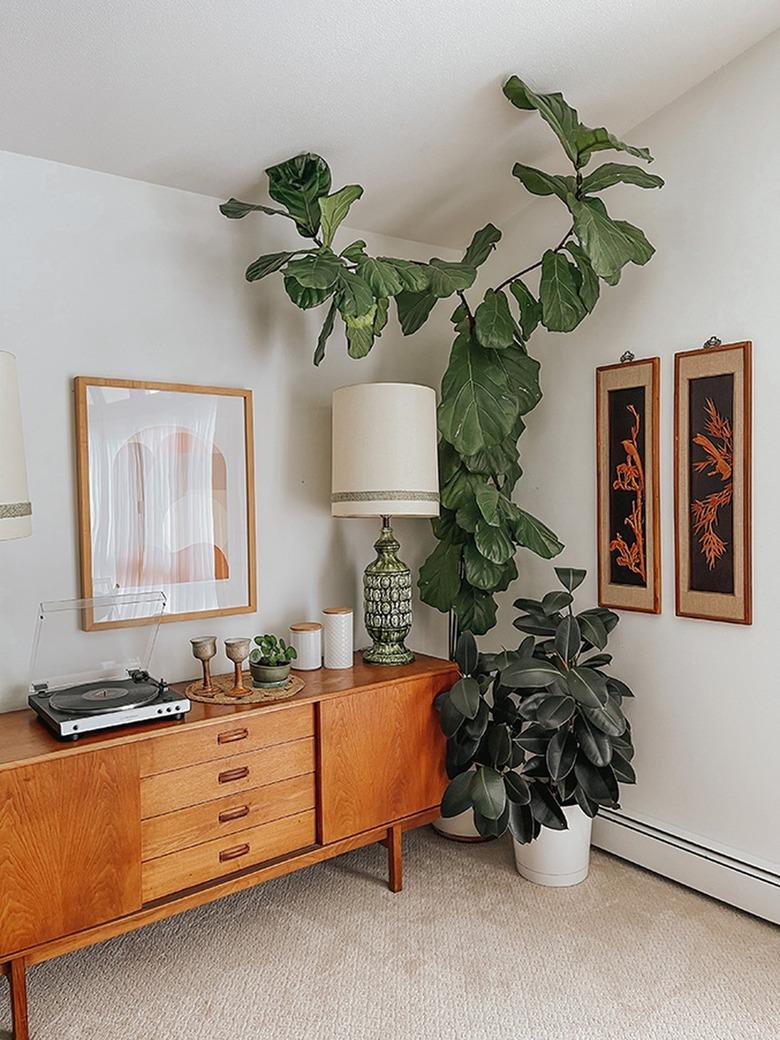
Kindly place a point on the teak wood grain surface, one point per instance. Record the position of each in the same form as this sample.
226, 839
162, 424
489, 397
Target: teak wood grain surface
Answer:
70, 838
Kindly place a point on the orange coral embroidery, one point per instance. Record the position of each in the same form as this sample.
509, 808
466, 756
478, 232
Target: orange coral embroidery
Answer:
718, 450
630, 476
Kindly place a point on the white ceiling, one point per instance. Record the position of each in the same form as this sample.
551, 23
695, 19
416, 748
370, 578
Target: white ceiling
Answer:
402, 96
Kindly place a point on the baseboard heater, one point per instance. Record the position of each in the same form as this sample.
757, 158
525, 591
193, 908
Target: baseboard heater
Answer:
683, 859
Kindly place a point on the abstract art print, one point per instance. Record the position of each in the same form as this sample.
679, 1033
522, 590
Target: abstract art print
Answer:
627, 484
166, 497
712, 410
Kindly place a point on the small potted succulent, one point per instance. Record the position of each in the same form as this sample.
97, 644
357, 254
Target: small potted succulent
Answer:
537, 740
269, 661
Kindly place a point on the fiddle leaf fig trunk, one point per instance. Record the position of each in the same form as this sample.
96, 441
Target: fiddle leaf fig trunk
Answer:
491, 381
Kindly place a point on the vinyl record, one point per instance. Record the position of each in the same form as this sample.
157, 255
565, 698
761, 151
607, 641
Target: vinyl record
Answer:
99, 697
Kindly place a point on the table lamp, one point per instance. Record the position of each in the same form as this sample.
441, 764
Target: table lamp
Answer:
385, 465
15, 509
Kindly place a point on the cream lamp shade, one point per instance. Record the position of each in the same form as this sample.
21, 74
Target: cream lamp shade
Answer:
384, 451
15, 508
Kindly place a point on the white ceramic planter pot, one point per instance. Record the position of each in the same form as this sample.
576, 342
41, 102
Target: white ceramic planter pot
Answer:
558, 858
458, 828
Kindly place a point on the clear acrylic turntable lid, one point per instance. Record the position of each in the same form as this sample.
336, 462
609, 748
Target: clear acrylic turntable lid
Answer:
64, 654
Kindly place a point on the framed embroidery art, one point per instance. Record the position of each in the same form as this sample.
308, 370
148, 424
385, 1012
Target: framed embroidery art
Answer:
712, 436
166, 498
627, 484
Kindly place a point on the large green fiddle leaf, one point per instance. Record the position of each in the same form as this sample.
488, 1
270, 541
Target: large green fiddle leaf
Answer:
553, 109
413, 310
334, 208
540, 183
522, 375
493, 542
478, 407
381, 277
609, 244
360, 338
475, 609
562, 308
448, 277
266, 265
439, 579
298, 184
354, 252
532, 534
325, 332
414, 276
317, 270
482, 245
590, 140
530, 308
618, 173
494, 325
304, 296
354, 296
589, 284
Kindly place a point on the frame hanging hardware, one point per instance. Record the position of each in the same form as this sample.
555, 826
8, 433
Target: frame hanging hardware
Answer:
713, 341
626, 356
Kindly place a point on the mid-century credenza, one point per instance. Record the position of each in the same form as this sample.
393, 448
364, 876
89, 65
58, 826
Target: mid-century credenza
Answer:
119, 829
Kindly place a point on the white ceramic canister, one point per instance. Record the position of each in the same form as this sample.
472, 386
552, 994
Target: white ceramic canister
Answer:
306, 640
338, 635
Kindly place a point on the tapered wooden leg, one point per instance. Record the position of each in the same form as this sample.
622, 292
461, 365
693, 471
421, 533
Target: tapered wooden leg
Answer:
18, 980
395, 858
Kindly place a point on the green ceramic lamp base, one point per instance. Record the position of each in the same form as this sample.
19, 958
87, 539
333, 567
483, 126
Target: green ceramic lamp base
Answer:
387, 589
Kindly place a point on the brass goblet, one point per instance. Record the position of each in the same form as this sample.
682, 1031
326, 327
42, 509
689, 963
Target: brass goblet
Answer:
237, 651
203, 649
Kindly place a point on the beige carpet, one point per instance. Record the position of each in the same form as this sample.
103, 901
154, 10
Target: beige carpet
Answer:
469, 951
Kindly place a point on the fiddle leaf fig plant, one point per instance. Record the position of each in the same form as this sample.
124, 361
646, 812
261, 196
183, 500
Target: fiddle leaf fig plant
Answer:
491, 382
535, 729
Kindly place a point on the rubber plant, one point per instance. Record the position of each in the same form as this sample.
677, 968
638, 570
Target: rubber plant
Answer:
491, 382
541, 727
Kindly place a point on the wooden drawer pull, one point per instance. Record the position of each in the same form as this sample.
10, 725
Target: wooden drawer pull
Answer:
233, 774
232, 735
234, 814
239, 850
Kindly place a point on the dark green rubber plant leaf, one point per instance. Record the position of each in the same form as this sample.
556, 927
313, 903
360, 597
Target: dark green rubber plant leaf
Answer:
594, 744
521, 823
562, 308
439, 578
595, 782
450, 719
489, 828
493, 542
298, 184
622, 768
466, 653
448, 277
488, 794
529, 672
478, 408
534, 535
530, 308
327, 329
413, 310
499, 743
266, 265
568, 638
545, 808
561, 755
381, 277
609, 719
493, 322
553, 109
334, 208
482, 245
457, 797
571, 578
555, 711
587, 687
540, 183
465, 696
517, 788
476, 610
552, 602
618, 173
593, 631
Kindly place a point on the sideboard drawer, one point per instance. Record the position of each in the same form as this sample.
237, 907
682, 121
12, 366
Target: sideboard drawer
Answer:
161, 835
225, 738
181, 788
214, 859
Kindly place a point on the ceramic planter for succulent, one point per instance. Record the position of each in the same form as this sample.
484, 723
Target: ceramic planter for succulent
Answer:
269, 676
558, 858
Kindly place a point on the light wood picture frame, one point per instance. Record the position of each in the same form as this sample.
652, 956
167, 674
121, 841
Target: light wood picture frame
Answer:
712, 486
166, 497
628, 491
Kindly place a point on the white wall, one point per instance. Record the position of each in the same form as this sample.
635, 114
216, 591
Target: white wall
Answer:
707, 714
104, 276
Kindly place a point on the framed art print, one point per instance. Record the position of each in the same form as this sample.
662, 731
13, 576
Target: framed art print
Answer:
166, 498
712, 437
627, 483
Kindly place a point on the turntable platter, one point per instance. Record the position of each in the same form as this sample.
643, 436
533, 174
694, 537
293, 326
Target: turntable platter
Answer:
104, 696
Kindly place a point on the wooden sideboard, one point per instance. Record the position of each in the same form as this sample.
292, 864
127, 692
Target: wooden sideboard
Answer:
117, 830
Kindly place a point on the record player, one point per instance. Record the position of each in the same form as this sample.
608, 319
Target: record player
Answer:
82, 682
